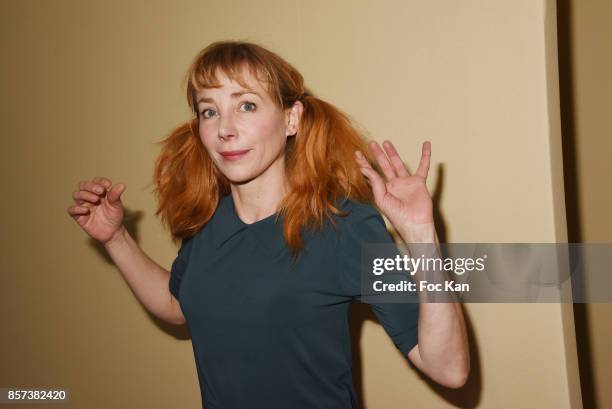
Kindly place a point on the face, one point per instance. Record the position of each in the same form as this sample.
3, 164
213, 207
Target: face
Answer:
243, 130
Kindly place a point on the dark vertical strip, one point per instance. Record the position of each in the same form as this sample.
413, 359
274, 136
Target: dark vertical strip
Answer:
572, 198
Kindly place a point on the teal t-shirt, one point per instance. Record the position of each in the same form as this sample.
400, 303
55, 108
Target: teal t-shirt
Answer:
267, 333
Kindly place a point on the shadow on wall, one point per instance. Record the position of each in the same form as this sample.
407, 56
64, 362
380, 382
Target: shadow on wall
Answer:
572, 202
466, 397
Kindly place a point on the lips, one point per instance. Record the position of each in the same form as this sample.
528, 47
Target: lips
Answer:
233, 155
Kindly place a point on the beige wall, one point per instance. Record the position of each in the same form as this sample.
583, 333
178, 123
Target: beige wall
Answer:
587, 63
90, 86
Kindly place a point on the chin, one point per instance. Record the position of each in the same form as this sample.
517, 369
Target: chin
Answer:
239, 177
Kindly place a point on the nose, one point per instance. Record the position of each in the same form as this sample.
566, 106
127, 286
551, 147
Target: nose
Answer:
227, 129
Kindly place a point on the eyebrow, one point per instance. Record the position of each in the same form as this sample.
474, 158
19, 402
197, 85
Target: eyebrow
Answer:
233, 95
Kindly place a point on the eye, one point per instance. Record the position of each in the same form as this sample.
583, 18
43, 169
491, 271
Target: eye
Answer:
251, 107
204, 113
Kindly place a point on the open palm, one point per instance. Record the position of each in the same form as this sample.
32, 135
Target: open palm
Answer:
403, 198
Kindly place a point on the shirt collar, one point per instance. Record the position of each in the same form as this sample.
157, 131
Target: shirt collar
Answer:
227, 224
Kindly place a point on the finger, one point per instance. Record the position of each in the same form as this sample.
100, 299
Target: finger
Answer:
115, 193
424, 163
361, 159
376, 182
103, 181
83, 196
382, 160
396, 161
363, 162
77, 210
92, 187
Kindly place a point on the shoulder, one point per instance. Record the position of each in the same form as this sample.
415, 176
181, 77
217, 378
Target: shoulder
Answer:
357, 211
186, 245
359, 236
363, 222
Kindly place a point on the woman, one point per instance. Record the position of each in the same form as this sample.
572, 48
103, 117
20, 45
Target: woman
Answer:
272, 193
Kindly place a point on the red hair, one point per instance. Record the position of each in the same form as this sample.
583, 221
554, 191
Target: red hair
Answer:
320, 158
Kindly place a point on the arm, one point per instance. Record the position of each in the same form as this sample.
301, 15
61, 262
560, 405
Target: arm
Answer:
98, 210
442, 352
147, 279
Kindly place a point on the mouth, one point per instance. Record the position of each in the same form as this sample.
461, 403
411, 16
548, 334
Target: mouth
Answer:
234, 155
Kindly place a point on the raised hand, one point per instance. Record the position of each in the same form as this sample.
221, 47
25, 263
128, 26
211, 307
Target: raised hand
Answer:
403, 198
98, 208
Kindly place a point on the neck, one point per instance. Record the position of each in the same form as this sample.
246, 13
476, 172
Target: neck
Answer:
259, 198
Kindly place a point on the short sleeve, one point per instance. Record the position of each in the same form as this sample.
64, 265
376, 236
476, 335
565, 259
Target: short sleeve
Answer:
179, 265
400, 320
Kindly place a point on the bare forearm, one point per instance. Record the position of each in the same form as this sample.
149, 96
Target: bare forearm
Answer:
147, 279
443, 344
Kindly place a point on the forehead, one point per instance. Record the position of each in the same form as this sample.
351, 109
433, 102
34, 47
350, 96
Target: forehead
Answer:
243, 80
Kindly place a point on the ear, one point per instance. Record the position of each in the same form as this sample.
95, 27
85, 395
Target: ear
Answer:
293, 115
